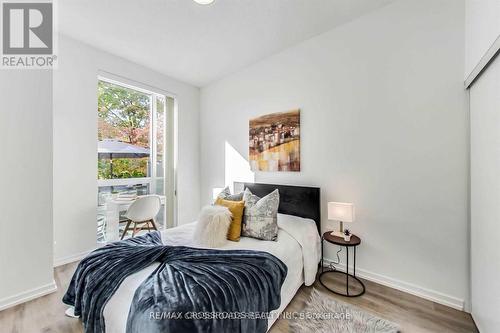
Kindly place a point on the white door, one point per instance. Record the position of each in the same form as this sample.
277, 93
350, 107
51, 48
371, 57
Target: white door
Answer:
485, 199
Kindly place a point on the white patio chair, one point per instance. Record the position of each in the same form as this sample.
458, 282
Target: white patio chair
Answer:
101, 223
141, 214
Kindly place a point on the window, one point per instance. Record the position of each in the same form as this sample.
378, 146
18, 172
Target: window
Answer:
124, 127
132, 143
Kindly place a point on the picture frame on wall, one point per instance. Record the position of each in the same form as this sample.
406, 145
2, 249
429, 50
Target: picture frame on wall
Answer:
274, 142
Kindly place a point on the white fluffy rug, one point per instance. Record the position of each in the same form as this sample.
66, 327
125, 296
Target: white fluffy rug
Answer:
327, 315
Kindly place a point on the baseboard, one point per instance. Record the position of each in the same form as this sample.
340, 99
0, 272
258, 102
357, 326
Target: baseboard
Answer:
71, 258
475, 323
431, 295
28, 295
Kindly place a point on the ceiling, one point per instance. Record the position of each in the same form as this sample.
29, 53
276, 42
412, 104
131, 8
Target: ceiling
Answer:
200, 44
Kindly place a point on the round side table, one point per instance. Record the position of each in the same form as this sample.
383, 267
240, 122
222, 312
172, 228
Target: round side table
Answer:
354, 242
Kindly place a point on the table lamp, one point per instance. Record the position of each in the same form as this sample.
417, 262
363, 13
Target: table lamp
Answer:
342, 212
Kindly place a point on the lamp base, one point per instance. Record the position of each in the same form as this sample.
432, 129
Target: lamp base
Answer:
337, 234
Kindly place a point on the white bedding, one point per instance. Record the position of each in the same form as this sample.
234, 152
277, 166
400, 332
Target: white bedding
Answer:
298, 246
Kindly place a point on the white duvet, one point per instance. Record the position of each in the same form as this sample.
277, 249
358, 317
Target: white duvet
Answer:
298, 246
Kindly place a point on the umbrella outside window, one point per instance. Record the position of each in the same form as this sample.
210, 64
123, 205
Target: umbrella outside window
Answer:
109, 149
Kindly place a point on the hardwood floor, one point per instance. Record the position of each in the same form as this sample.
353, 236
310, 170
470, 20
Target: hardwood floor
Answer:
413, 314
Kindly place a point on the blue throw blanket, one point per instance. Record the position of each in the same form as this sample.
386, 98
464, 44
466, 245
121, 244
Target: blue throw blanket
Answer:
192, 290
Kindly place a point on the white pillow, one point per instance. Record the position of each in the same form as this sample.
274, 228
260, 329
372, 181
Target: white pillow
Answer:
306, 233
213, 224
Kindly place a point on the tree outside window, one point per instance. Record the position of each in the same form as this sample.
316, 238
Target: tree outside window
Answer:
124, 116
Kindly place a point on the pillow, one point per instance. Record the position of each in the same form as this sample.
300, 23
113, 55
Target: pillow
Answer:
259, 220
213, 224
236, 208
305, 232
226, 195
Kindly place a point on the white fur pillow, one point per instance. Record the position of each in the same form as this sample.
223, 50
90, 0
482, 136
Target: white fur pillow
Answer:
213, 224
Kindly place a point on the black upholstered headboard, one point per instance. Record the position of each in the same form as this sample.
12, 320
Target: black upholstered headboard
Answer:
294, 200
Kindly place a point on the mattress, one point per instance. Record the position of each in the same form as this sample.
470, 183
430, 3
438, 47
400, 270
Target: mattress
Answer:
288, 248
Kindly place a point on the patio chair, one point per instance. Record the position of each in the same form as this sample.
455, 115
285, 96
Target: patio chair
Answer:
141, 214
101, 228
101, 223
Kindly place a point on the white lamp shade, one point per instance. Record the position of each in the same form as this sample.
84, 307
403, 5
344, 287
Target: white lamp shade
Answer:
341, 211
216, 191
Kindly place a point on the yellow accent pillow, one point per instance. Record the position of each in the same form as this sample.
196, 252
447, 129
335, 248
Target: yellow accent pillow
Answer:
236, 208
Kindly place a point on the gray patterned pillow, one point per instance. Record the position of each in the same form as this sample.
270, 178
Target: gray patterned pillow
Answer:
260, 217
226, 195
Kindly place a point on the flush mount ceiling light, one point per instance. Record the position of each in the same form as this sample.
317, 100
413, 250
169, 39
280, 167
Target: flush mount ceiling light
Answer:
204, 2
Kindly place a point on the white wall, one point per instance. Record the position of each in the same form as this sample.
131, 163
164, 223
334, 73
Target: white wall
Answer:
485, 196
383, 125
75, 142
26, 196
482, 28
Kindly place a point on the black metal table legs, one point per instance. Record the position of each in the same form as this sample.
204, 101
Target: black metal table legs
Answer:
346, 273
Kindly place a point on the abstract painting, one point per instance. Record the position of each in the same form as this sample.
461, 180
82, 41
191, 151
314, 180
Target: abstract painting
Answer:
274, 142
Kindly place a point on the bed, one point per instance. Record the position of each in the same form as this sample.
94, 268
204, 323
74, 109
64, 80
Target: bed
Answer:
298, 247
